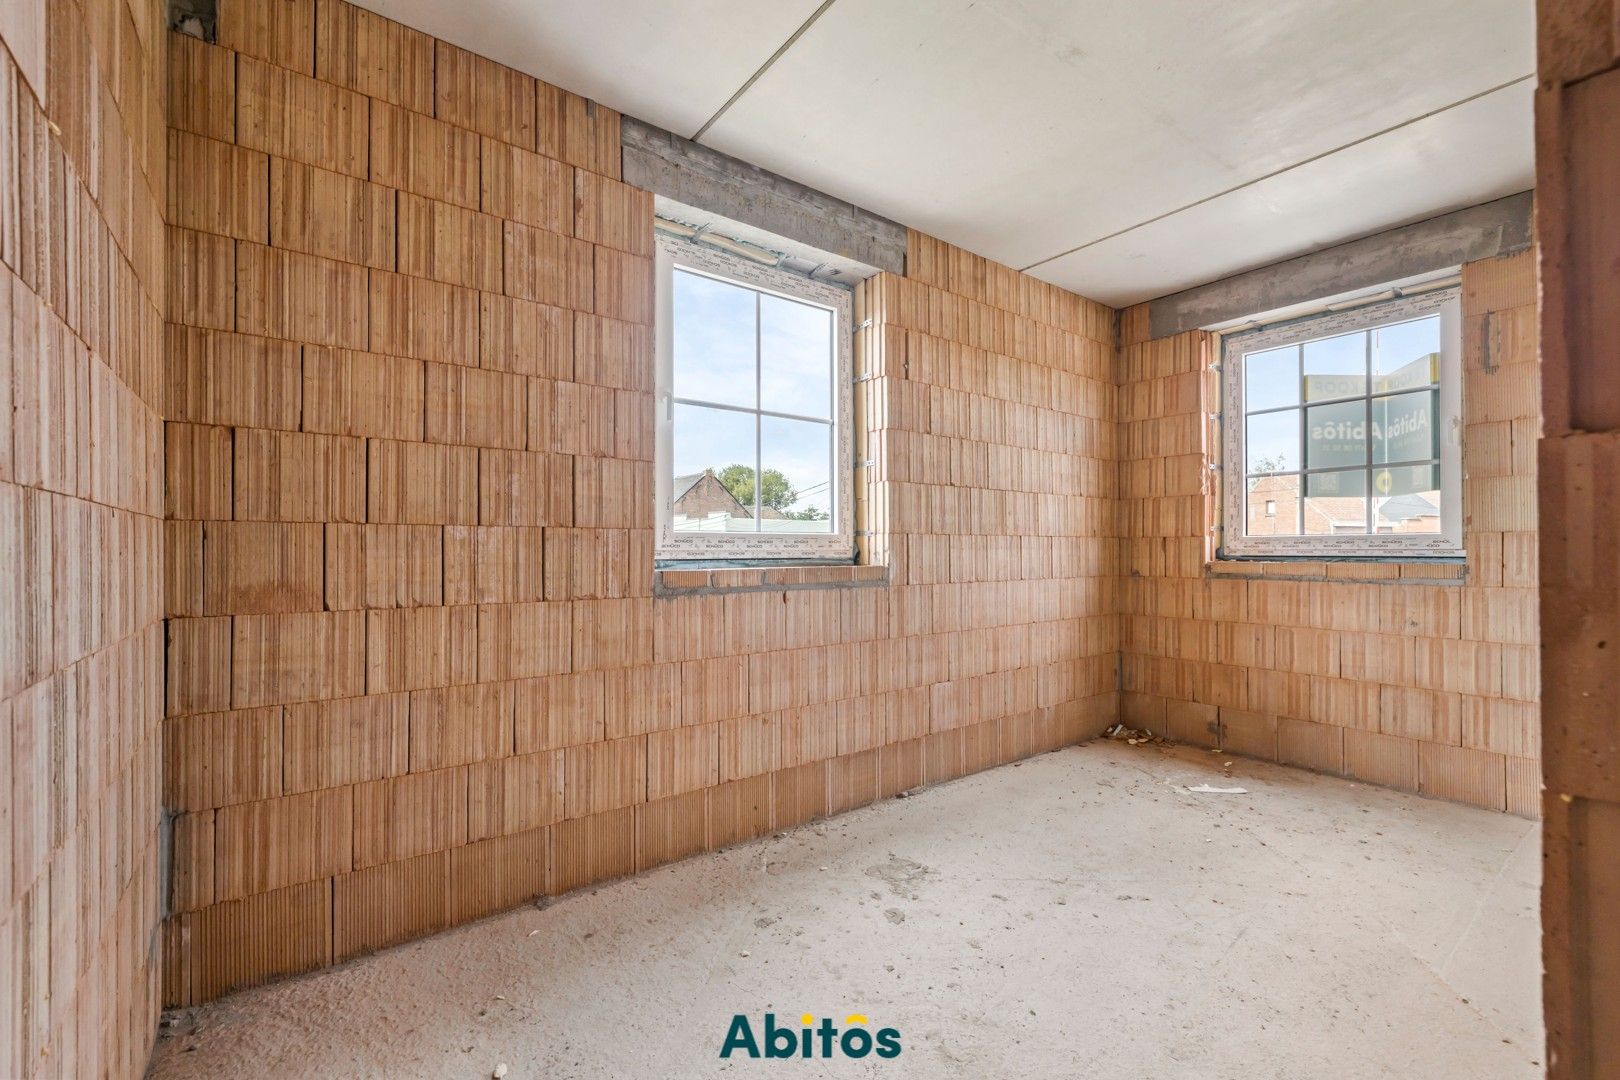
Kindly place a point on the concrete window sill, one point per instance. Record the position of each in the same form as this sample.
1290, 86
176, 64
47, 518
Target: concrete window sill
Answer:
680, 582
1415, 572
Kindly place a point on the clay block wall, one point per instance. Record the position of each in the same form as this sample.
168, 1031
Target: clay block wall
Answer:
1578, 233
1417, 676
82, 167
416, 668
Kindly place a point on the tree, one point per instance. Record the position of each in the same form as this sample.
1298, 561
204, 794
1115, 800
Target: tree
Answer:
775, 493
1268, 464
809, 513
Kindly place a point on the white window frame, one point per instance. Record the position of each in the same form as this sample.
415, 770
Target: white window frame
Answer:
1445, 544
837, 545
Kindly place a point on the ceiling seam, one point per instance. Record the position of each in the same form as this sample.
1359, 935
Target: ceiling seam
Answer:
1279, 172
763, 68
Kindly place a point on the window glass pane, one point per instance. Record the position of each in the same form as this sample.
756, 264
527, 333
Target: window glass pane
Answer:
1341, 432
1271, 379
797, 495
1336, 367
1273, 506
1404, 428
1336, 435
1406, 355
1272, 443
795, 357
713, 340
1406, 480
1336, 502
1407, 499
714, 470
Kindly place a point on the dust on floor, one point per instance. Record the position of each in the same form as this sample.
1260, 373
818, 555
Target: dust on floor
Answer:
1080, 914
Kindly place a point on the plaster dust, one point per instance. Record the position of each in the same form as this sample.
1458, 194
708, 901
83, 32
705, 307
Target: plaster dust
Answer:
1078, 914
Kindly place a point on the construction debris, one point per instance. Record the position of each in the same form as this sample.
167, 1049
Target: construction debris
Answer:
1134, 736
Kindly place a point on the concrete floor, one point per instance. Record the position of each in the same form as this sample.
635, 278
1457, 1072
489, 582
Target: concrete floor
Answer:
1079, 915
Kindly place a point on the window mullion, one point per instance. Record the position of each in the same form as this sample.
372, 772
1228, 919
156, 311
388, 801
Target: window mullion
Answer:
1304, 433
745, 409
835, 392
1367, 496
759, 427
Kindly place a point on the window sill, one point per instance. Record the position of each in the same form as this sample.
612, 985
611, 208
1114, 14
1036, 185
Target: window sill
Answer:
683, 582
1449, 570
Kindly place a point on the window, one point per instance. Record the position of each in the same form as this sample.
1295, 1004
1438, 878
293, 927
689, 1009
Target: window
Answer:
1341, 433
754, 401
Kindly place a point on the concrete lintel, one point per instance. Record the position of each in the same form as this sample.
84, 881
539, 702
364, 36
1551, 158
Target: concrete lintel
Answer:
666, 164
1499, 227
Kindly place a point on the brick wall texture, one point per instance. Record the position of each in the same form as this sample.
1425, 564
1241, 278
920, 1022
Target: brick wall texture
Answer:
416, 672
329, 485
82, 177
